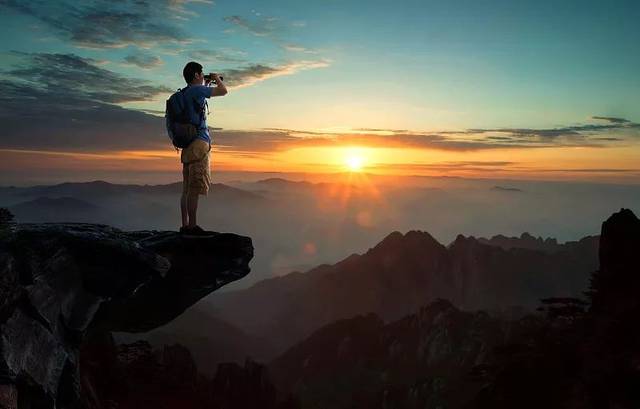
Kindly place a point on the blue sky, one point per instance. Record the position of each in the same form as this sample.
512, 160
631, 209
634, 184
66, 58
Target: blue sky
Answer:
328, 65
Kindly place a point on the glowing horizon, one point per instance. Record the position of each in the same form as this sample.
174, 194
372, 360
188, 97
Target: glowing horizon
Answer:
618, 165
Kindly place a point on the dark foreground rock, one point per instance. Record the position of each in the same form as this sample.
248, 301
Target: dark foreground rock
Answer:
60, 283
133, 376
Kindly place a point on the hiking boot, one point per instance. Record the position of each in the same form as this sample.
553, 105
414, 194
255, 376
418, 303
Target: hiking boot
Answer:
195, 231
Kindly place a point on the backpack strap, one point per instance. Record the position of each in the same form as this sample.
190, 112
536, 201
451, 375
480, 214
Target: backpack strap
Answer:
203, 109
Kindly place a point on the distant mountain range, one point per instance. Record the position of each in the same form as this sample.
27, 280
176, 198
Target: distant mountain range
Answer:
45, 209
526, 241
103, 202
506, 189
98, 189
404, 272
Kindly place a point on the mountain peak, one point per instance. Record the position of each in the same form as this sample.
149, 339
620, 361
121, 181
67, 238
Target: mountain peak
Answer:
619, 239
463, 241
524, 241
410, 240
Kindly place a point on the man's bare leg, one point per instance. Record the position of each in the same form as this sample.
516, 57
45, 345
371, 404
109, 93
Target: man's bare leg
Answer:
192, 208
183, 197
183, 209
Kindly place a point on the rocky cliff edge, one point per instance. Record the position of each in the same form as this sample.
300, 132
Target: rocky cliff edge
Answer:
61, 282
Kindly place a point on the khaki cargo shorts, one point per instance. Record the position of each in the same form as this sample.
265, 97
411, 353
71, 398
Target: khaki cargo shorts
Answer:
196, 172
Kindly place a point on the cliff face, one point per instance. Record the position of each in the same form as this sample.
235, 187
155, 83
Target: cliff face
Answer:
60, 282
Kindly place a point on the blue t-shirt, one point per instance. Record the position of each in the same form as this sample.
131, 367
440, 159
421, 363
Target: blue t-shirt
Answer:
195, 99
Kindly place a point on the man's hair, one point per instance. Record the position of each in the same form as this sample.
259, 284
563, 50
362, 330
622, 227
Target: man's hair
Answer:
190, 70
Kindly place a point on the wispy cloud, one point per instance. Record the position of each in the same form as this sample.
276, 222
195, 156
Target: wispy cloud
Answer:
383, 130
275, 139
178, 6
574, 133
220, 55
253, 73
269, 27
298, 48
475, 167
143, 61
73, 105
105, 24
63, 101
62, 78
258, 26
278, 139
611, 119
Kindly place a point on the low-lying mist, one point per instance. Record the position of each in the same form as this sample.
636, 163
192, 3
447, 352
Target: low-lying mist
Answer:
296, 225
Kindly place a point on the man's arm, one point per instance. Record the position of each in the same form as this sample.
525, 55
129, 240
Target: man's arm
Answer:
220, 89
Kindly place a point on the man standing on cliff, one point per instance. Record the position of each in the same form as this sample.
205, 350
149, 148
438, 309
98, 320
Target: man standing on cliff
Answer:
196, 172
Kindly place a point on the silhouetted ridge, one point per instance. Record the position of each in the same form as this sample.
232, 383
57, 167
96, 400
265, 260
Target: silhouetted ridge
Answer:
59, 202
462, 241
390, 240
400, 274
525, 240
281, 182
506, 189
411, 241
99, 189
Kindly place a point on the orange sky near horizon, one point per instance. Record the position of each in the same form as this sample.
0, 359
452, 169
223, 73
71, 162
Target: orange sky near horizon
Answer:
616, 164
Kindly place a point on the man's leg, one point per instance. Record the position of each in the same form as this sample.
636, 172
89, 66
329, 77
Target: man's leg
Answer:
183, 209
191, 193
183, 197
201, 181
192, 207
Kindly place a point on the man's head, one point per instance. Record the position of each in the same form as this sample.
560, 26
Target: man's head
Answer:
192, 73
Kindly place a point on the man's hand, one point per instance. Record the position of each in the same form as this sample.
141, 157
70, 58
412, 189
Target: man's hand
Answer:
220, 89
216, 78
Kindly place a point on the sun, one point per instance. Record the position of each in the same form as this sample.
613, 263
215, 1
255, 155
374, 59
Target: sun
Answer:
354, 162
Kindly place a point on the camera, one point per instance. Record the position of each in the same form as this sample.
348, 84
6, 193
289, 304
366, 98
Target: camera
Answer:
209, 77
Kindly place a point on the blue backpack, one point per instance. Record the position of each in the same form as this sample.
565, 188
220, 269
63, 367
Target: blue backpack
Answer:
179, 126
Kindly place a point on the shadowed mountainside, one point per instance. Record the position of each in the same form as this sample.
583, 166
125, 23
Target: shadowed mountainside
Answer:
403, 273
209, 339
420, 361
568, 356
